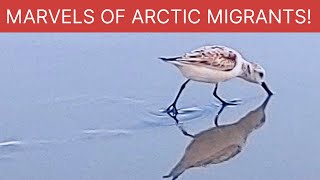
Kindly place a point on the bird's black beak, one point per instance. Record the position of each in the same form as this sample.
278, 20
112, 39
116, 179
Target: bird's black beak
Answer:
265, 87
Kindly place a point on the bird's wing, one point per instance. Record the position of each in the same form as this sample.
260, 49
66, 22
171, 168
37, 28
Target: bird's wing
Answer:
221, 156
214, 57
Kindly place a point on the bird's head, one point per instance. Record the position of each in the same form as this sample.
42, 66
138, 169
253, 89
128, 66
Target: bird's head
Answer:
255, 73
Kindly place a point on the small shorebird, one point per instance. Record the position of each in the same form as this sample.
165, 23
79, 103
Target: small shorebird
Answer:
215, 64
219, 144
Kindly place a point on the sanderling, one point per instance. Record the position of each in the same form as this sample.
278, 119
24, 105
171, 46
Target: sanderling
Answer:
215, 64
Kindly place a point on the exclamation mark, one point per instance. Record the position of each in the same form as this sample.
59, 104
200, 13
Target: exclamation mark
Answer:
309, 16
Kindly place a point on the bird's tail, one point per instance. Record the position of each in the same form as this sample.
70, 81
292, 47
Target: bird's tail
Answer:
174, 176
169, 59
175, 172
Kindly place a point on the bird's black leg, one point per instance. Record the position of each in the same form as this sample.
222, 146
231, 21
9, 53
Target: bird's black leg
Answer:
174, 116
184, 132
224, 103
172, 108
216, 119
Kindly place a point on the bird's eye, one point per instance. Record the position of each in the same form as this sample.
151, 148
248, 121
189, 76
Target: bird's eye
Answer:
261, 74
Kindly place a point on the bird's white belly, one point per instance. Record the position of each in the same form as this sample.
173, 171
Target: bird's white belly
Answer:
204, 74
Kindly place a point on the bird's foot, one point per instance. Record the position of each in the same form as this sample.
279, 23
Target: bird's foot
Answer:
231, 103
172, 110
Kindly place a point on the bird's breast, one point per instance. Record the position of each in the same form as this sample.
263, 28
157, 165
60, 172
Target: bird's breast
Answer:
208, 75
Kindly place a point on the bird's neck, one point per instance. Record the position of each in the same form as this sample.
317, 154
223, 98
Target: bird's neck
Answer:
251, 121
247, 70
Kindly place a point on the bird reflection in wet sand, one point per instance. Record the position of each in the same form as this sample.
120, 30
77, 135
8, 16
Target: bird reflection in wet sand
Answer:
219, 144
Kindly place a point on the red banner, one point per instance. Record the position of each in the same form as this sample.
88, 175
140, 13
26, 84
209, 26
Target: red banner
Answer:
160, 16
